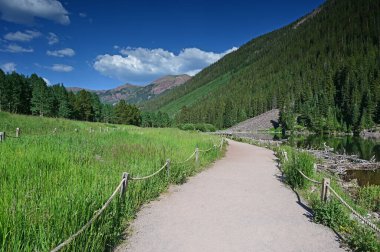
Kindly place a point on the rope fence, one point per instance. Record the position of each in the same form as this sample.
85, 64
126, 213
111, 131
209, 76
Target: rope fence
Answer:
325, 195
326, 188
186, 160
370, 224
311, 180
151, 175
98, 213
122, 187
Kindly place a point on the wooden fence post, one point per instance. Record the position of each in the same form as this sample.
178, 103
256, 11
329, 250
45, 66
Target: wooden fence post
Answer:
18, 132
197, 155
168, 168
315, 167
2, 136
124, 185
325, 193
286, 156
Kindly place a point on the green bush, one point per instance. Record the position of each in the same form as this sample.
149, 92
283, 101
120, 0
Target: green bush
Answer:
369, 197
203, 127
330, 214
363, 240
186, 126
298, 161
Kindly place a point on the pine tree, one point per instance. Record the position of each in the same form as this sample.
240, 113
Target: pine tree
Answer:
41, 99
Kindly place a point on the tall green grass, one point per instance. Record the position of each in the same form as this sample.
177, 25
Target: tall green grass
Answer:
52, 184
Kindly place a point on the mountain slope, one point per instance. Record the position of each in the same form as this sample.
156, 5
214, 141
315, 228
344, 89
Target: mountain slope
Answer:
135, 94
324, 67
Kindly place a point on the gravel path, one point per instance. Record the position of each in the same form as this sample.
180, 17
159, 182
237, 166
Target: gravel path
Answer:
238, 204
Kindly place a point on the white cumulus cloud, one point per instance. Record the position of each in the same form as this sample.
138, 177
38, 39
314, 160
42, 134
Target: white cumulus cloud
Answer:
52, 38
141, 65
66, 52
24, 11
22, 36
8, 67
61, 68
13, 48
46, 81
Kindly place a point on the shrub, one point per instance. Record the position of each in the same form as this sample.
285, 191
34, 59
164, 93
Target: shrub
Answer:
369, 197
204, 127
330, 214
301, 161
186, 126
363, 240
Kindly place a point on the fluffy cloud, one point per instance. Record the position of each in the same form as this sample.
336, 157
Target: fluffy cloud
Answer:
52, 38
24, 11
22, 36
141, 65
61, 68
47, 81
67, 52
8, 67
13, 48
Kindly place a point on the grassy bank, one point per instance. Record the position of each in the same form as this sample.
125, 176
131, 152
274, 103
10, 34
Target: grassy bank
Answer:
51, 184
332, 213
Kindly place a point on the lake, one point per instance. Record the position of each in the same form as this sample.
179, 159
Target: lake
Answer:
363, 148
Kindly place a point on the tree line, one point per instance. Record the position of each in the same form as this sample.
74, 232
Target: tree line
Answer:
32, 96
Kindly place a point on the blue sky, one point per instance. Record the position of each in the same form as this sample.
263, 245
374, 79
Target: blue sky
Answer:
101, 44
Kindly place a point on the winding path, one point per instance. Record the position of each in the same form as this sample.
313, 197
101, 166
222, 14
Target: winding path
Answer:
238, 204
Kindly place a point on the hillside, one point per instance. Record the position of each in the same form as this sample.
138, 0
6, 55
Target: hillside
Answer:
323, 67
134, 93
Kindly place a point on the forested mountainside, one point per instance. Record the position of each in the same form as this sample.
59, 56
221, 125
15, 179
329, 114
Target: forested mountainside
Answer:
323, 70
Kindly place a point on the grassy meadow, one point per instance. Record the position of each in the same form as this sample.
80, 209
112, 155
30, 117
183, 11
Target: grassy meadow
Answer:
52, 184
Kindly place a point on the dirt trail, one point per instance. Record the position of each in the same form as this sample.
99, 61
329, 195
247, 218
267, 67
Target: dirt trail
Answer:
238, 204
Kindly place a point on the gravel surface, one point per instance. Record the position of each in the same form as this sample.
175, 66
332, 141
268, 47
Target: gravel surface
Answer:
238, 204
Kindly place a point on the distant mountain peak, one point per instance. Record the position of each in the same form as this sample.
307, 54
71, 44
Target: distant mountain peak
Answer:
168, 82
133, 93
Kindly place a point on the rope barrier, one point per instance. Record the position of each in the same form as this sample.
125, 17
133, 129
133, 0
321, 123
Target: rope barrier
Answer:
370, 224
151, 175
206, 150
101, 210
192, 155
306, 177
98, 213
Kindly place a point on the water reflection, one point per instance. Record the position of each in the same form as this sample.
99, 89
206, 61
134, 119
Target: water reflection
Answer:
364, 177
363, 148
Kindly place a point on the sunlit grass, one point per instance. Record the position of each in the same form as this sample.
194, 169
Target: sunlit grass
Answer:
51, 184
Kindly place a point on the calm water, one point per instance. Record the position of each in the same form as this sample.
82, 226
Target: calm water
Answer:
363, 148
364, 177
